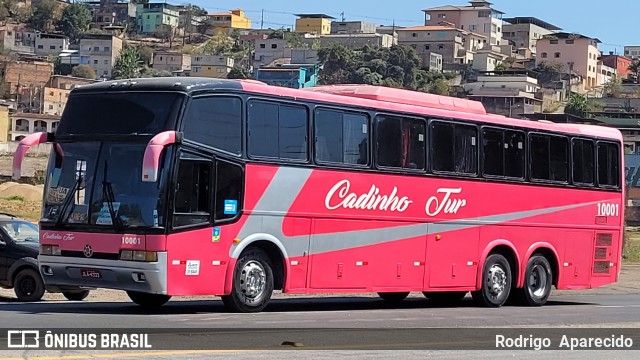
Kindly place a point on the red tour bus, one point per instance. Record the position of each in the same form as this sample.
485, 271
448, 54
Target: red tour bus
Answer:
164, 187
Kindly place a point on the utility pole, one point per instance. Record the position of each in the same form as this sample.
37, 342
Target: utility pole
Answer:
342, 16
262, 20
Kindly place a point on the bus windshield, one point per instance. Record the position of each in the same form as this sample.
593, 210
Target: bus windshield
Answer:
120, 113
99, 184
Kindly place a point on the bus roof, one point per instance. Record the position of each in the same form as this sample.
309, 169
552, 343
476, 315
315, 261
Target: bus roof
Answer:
368, 96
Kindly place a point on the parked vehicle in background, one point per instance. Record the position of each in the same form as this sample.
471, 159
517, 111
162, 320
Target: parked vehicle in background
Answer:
235, 188
18, 265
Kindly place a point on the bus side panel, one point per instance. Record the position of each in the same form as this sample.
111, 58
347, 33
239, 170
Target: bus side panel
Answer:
575, 265
452, 256
197, 261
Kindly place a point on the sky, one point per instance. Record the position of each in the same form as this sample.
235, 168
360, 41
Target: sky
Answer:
614, 22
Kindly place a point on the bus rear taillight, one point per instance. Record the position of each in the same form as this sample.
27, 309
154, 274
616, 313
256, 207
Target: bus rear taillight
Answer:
50, 250
130, 255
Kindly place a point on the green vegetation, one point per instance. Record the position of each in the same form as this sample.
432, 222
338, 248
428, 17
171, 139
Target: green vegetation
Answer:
16, 198
75, 19
631, 250
83, 71
397, 66
128, 64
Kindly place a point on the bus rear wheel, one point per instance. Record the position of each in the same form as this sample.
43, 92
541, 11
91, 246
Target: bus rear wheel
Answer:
496, 282
252, 283
393, 297
538, 279
148, 300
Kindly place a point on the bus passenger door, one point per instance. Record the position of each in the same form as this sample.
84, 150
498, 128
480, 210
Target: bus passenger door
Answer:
452, 256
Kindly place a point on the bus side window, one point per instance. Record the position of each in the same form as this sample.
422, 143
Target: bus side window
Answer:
228, 190
192, 202
608, 165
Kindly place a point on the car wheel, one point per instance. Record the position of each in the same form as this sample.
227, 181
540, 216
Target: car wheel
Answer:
148, 300
76, 295
496, 282
28, 285
252, 283
393, 297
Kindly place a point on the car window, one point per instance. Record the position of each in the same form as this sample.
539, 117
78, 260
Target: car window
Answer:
20, 231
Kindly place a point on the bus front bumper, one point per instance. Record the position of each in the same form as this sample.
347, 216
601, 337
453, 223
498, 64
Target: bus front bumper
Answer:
148, 277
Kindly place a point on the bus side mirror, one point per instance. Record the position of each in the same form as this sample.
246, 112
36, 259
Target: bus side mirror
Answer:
151, 159
24, 145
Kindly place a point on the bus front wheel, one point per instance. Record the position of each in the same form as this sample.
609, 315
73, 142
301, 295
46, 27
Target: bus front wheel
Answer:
496, 282
148, 300
252, 283
537, 282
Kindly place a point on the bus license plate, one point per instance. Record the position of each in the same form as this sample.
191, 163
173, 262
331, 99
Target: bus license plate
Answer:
90, 273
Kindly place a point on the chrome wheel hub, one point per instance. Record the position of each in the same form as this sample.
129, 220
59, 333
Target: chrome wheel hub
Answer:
497, 280
253, 280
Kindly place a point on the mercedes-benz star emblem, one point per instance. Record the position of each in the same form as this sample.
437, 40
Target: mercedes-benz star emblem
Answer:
88, 251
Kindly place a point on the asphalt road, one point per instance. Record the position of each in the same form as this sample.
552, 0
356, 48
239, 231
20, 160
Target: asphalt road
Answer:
334, 324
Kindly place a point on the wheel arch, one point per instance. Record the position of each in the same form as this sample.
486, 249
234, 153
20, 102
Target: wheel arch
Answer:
274, 249
504, 248
549, 252
19, 265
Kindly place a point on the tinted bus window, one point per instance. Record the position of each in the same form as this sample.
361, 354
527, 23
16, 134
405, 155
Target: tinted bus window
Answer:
608, 165
583, 161
400, 142
454, 148
192, 203
493, 152
341, 137
514, 154
228, 190
120, 113
277, 131
215, 121
549, 158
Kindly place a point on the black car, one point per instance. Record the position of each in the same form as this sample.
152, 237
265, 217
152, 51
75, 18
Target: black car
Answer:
18, 261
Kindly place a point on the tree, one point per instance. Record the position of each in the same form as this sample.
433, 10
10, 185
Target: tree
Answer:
128, 64
146, 54
549, 71
75, 20
612, 87
7, 9
44, 16
147, 72
83, 71
239, 72
635, 69
217, 45
577, 105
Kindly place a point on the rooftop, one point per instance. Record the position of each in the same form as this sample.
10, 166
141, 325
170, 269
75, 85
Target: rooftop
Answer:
531, 20
566, 35
475, 6
437, 28
314, 16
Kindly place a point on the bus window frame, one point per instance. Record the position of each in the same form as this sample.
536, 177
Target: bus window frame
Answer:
530, 158
374, 144
342, 165
430, 151
597, 165
243, 116
240, 209
279, 102
522, 179
207, 157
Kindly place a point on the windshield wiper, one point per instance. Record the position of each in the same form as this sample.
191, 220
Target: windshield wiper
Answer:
68, 200
109, 198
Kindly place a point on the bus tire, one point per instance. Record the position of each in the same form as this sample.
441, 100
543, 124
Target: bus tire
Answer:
496, 282
28, 285
445, 297
393, 297
147, 300
76, 295
538, 279
252, 283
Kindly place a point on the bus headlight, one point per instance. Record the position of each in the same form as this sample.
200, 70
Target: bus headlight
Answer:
130, 255
50, 250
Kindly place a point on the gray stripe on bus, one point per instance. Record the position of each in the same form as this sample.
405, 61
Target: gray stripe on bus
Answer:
285, 188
